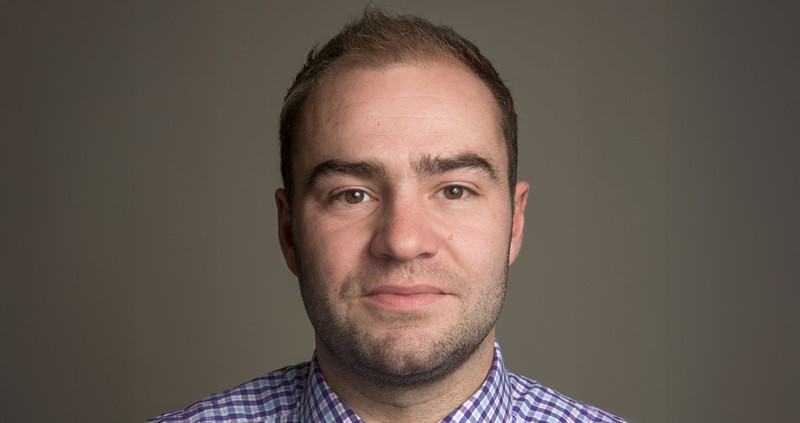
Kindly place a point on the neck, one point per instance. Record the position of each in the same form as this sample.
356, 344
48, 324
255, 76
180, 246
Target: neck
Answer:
428, 403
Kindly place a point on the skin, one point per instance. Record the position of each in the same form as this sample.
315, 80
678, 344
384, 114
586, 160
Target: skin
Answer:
401, 233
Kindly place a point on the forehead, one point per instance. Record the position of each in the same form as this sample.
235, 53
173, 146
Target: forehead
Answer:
398, 112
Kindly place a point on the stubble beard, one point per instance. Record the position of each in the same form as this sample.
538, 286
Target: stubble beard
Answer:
398, 359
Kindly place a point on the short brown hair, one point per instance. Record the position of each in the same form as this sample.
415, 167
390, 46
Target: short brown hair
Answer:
379, 40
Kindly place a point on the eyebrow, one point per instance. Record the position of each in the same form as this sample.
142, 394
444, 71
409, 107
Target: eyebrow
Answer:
429, 165
362, 169
426, 166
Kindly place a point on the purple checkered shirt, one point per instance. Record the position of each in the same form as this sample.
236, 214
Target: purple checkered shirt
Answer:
299, 393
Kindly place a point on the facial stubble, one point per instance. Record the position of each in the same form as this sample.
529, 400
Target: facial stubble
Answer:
404, 358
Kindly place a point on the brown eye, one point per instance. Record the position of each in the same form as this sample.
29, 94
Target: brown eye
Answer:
454, 192
354, 196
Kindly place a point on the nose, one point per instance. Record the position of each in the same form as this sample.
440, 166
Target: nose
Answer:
405, 230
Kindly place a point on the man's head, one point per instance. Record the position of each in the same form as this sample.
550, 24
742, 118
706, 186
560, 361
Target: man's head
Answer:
379, 41
398, 166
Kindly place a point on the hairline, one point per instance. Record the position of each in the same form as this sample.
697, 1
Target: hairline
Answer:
424, 42
347, 64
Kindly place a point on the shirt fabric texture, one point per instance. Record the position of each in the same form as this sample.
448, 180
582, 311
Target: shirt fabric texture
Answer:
299, 393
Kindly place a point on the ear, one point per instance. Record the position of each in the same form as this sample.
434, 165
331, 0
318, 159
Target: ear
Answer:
285, 235
518, 220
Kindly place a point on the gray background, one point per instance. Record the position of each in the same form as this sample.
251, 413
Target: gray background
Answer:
140, 265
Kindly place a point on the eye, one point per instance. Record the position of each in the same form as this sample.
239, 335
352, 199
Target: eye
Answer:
353, 196
455, 192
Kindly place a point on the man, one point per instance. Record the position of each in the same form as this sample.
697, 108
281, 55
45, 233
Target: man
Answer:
400, 215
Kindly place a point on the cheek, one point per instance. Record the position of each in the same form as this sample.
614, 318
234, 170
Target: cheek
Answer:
329, 249
479, 244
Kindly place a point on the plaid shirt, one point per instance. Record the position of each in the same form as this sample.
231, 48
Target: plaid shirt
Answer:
298, 393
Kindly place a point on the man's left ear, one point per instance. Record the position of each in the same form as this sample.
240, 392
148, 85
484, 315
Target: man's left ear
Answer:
518, 220
285, 236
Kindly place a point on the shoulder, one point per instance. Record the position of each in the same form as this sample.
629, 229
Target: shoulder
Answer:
530, 401
273, 397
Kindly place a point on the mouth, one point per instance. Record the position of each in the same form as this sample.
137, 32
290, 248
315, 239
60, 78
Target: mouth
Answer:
405, 298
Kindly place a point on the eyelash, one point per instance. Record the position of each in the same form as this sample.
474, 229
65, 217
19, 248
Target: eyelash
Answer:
341, 196
466, 192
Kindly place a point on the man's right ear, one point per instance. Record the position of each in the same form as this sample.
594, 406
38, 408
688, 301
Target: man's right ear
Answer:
285, 235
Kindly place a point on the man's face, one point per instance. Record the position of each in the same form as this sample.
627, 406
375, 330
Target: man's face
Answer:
401, 228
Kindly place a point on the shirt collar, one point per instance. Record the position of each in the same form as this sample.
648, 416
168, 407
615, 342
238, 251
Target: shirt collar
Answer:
491, 402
